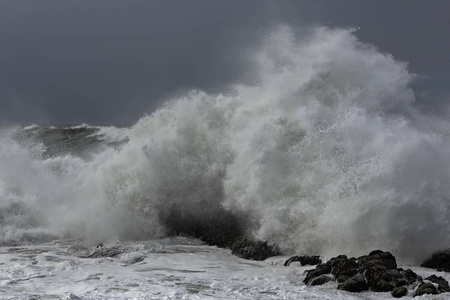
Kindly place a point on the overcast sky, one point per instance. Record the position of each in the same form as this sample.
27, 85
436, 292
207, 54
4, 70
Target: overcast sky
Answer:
110, 62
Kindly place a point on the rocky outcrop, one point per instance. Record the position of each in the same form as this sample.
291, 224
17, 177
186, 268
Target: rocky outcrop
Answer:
378, 272
304, 260
439, 261
251, 249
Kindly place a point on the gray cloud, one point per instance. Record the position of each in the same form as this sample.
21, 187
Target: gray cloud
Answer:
109, 62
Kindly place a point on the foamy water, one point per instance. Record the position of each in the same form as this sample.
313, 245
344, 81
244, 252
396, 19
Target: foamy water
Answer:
175, 268
325, 154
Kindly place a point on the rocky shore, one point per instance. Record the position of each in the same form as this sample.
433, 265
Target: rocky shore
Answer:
377, 272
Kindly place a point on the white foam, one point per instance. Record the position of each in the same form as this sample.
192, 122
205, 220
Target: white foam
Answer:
167, 269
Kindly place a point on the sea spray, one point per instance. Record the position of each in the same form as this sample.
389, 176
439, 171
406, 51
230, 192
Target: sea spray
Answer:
332, 155
325, 154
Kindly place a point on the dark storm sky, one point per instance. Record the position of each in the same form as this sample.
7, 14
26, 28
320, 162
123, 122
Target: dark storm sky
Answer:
110, 62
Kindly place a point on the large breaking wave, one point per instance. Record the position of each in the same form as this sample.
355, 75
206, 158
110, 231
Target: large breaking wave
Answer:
325, 154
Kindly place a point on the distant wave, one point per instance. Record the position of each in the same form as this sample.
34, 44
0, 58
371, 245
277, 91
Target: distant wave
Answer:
326, 154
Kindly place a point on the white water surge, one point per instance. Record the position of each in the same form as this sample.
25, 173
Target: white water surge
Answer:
170, 268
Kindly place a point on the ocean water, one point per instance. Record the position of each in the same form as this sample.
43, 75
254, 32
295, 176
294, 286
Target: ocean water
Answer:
326, 153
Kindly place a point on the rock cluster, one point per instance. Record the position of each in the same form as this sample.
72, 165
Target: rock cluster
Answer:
439, 261
378, 272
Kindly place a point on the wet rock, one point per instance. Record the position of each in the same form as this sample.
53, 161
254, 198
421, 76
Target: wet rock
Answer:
385, 281
441, 282
304, 260
255, 250
341, 267
343, 276
426, 288
314, 273
322, 279
344, 269
399, 292
385, 259
378, 272
410, 276
356, 283
439, 261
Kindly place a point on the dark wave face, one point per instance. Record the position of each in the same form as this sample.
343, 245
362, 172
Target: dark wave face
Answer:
81, 140
326, 154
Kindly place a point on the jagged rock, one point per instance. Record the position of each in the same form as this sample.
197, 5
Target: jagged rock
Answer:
343, 276
442, 283
255, 250
341, 267
319, 270
386, 281
385, 259
439, 261
377, 271
426, 288
380, 271
322, 279
399, 292
304, 260
410, 276
356, 283
344, 269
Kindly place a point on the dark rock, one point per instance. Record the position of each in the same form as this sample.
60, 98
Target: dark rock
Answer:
410, 276
399, 292
425, 288
375, 252
380, 271
377, 271
255, 250
439, 261
322, 279
344, 269
442, 283
356, 283
377, 280
385, 259
304, 260
343, 276
385, 280
319, 270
